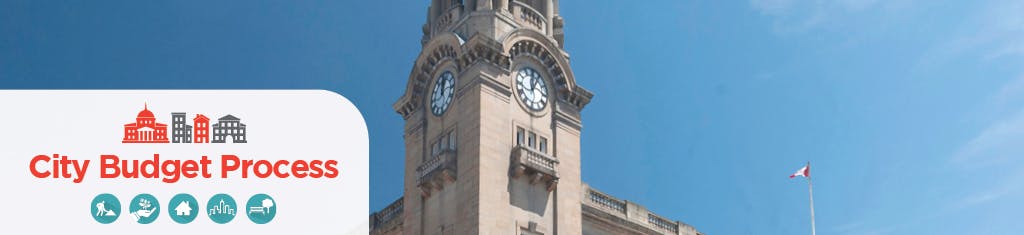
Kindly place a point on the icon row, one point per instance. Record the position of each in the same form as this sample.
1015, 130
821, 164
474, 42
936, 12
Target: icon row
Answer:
145, 208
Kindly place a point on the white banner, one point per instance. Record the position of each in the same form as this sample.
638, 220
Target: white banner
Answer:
293, 162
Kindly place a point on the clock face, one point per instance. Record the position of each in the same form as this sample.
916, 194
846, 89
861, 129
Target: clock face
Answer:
443, 92
533, 92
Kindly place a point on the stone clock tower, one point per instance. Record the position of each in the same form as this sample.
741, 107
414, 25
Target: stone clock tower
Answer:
492, 123
492, 132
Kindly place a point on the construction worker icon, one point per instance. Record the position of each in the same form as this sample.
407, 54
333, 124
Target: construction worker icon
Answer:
105, 208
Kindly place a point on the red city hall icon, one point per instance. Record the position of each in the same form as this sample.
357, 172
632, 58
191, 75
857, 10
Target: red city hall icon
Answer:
146, 130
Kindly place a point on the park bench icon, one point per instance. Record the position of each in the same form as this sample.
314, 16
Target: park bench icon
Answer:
262, 209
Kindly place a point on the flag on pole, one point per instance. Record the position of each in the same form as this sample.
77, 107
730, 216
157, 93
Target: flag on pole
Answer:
805, 172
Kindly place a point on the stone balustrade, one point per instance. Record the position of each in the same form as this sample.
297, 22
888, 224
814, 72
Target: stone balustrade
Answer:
436, 171
526, 15
389, 217
446, 19
629, 211
596, 204
662, 223
606, 201
539, 166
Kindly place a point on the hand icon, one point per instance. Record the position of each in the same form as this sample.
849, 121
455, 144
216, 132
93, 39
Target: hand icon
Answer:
145, 211
142, 213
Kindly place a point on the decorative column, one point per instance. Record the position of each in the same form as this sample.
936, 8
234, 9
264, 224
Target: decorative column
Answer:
549, 16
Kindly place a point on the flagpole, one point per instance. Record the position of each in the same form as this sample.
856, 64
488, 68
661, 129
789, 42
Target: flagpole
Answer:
810, 190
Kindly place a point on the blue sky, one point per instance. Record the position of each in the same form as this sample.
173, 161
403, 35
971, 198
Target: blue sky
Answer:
911, 111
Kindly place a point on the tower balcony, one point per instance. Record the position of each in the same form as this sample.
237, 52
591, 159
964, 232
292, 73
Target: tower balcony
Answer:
445, 21
528, 16
537, 165
437, 171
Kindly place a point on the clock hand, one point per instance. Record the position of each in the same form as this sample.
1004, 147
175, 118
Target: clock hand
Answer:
444, 86
451, 89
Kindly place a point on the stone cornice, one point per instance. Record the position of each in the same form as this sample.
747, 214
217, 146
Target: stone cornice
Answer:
567, 122
557, 67
483, 50
477, 50
438, 51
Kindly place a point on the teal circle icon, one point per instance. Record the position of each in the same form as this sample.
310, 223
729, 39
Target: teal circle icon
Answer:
105, 208
261, 208
221, 208
144, 208
183, 208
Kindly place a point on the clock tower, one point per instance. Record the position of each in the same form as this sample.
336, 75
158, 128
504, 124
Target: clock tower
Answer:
492, 123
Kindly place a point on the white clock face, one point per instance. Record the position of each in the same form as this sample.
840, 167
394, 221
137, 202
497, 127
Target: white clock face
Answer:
443, 92
533, 92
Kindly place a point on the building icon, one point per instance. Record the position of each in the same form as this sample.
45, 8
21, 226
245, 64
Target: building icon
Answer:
202, 129
183, 209
180, 131
229, 126
517, 116
145, 129
222, 209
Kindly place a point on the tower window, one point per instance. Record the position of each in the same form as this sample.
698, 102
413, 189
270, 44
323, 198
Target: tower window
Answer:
520, 136
532, 140
451, 140
543, 147
443, 142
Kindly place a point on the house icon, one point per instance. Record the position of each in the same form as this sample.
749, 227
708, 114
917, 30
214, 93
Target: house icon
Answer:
183, 209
